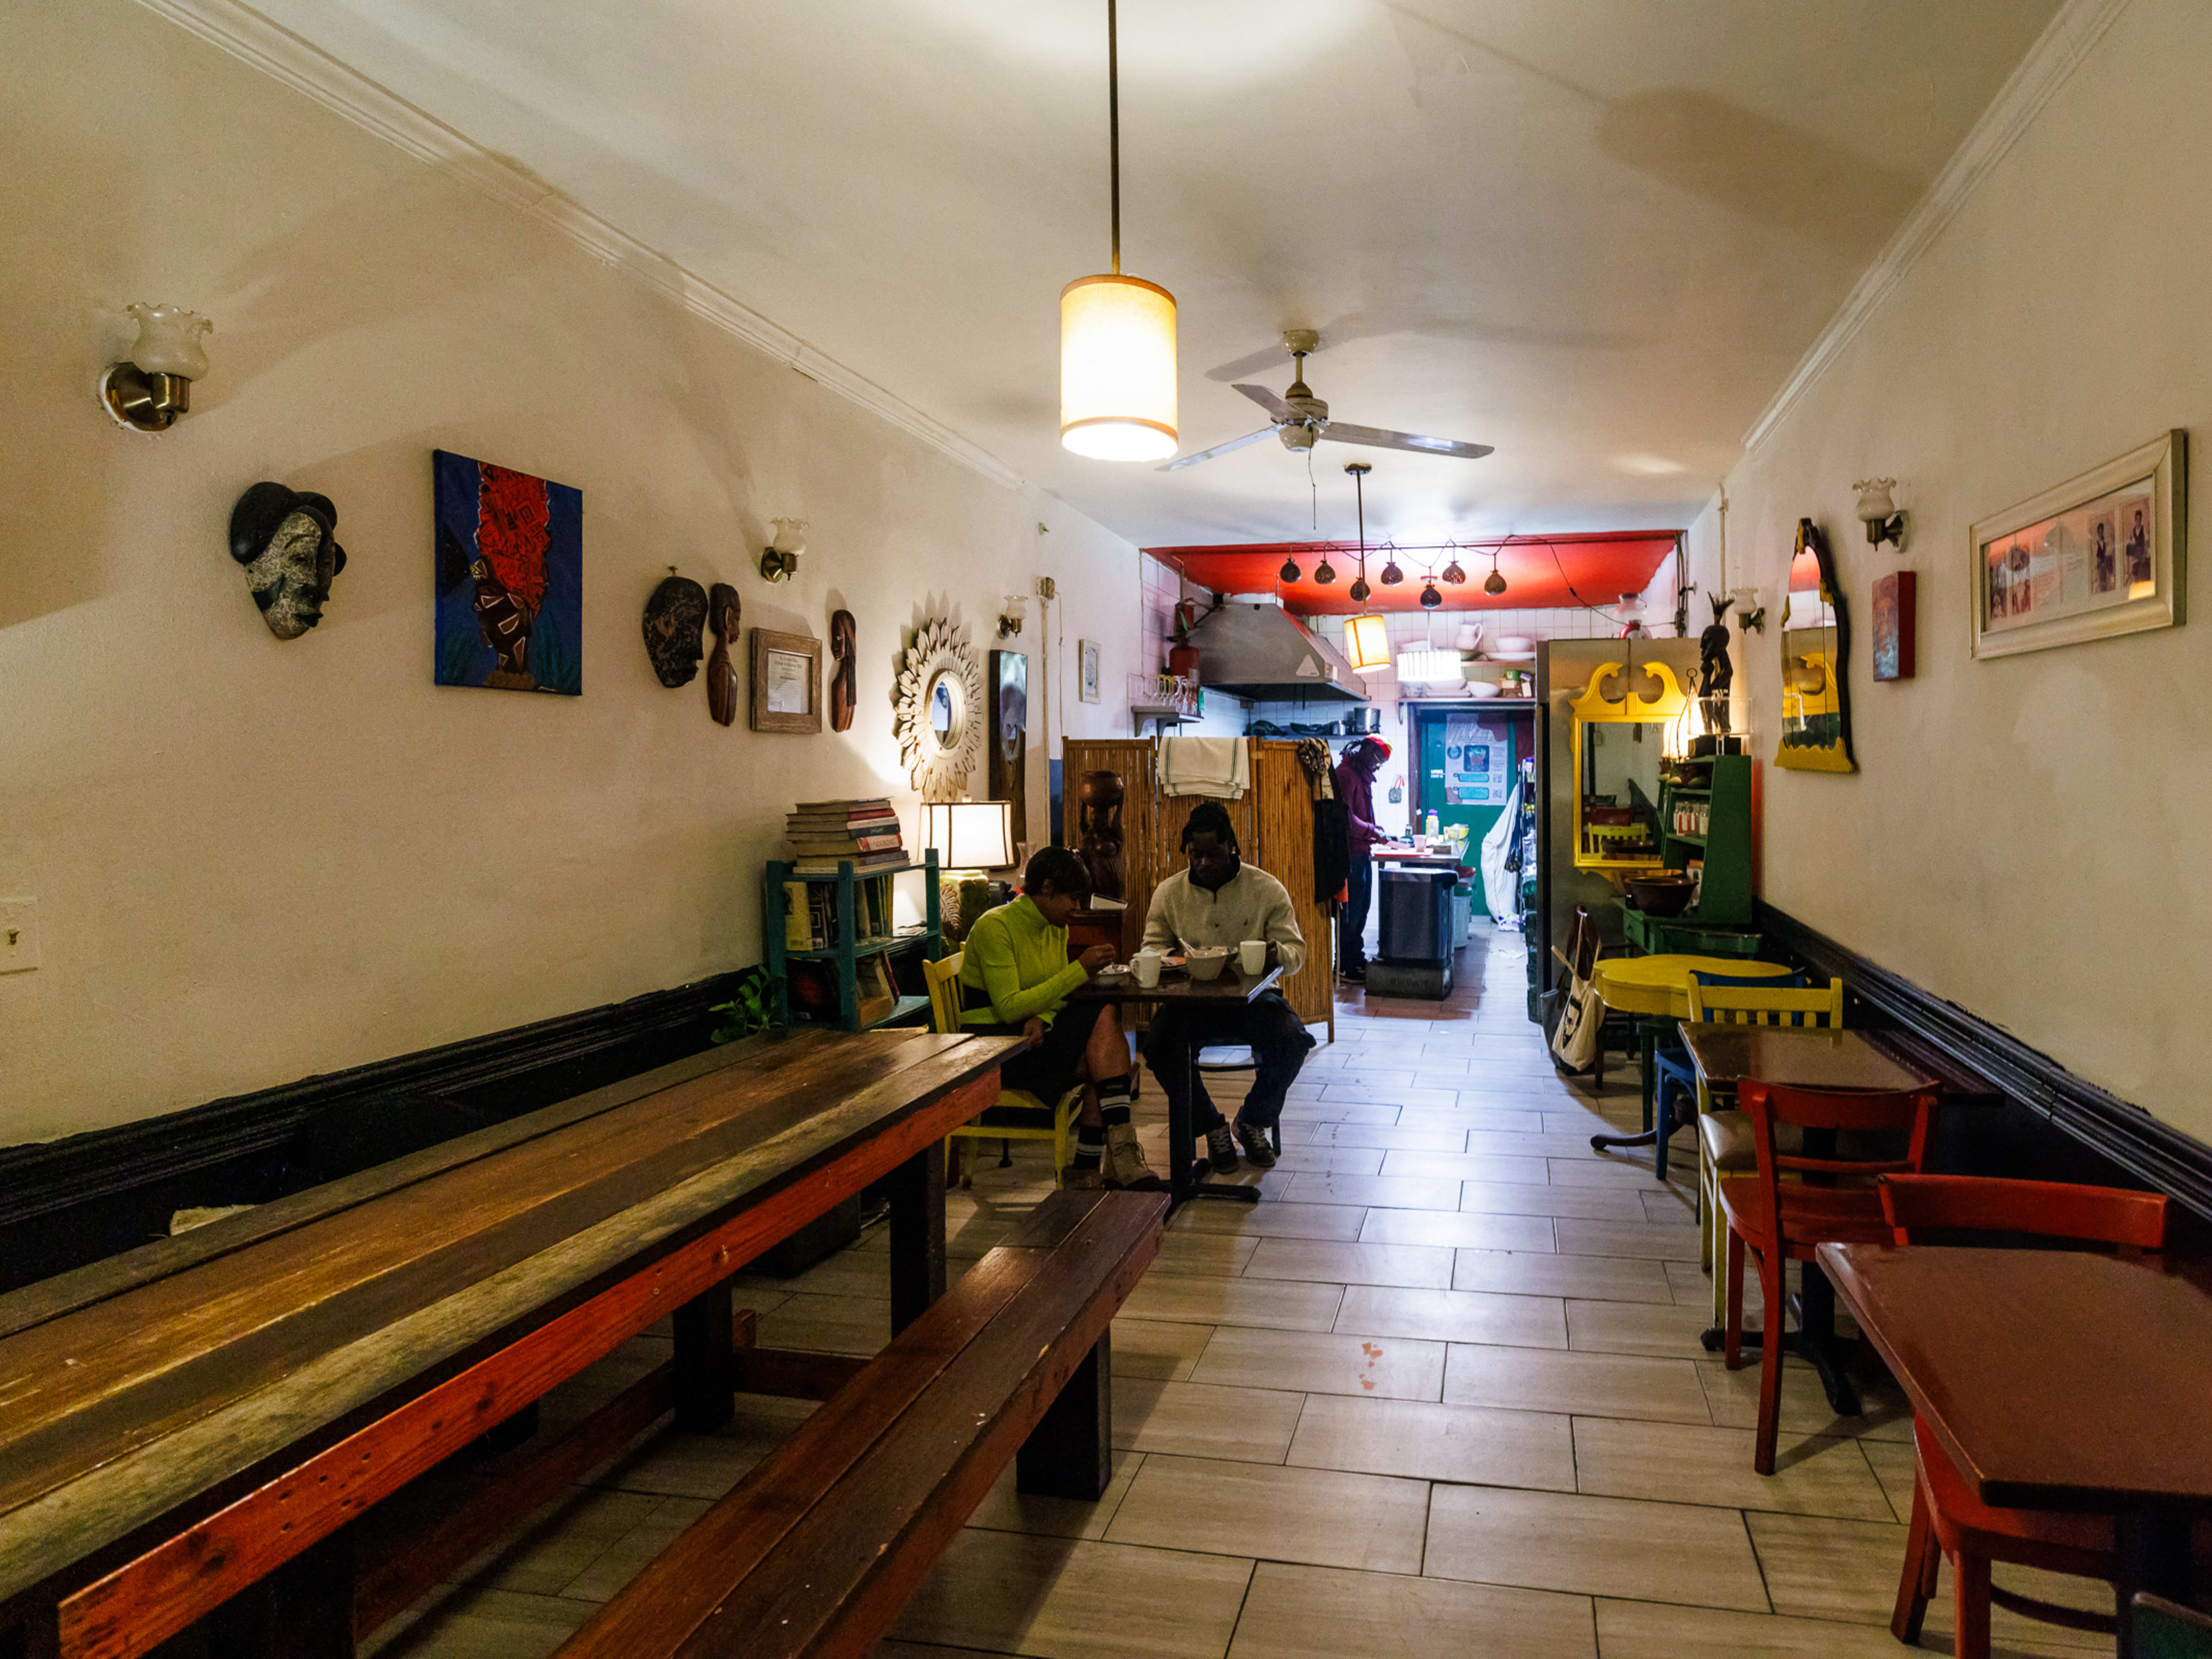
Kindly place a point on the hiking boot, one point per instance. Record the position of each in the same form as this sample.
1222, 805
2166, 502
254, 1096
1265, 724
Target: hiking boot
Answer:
1125, 1159
1259, 1150
1221, 1151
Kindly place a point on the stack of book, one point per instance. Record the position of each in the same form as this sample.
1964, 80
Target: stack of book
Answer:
825, 833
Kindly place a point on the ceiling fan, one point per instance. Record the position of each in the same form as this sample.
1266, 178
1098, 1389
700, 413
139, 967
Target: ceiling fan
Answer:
1299, 419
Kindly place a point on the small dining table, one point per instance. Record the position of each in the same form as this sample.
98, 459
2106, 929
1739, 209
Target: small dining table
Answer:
1199, 998
2054, 1380
1801, 1057
1656, 990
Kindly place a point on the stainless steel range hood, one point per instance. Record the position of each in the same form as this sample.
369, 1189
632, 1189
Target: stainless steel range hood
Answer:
1255, 648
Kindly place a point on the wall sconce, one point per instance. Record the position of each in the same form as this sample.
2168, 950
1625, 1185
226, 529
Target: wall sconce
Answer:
780, 558
1748, 610
1010, 616
1883, 522
153, 386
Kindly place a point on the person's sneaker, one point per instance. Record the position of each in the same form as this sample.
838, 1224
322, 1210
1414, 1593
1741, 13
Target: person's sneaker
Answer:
1079, 1179
1221, 1150
1259, 1152
1125, 1159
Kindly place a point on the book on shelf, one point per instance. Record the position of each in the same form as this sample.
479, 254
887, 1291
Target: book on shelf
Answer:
810, 913
809, 844
861, 862
876, 992
798, 916
843, 814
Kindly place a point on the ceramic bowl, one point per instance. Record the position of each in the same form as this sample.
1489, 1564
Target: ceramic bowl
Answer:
1515, 645
1206, 961
1660, 895
1484, 689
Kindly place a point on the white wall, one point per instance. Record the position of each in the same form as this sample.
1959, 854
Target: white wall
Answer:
2026, 837
256, 860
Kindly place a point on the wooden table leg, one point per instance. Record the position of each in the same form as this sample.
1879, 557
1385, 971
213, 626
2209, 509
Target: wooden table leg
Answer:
1070, 1452
917, 1199
2152, 1552
705, 1341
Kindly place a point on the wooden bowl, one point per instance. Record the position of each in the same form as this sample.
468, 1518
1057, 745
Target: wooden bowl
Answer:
1660, 895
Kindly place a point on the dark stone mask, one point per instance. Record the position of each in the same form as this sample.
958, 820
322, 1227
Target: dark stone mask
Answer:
674, 617
286, 540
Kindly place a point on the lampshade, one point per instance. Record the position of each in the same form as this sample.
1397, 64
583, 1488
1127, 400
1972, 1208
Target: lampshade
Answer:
969, 835
1367, 642
169, 341
1117, 369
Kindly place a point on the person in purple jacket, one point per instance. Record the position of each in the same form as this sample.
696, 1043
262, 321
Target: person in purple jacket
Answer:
1355, 787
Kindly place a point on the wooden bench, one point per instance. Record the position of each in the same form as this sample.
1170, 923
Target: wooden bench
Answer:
817, 1549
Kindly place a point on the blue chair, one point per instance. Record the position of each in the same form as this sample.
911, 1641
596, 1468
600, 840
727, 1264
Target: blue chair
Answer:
1671, 1068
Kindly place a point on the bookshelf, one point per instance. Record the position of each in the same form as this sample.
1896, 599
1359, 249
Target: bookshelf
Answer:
848, 921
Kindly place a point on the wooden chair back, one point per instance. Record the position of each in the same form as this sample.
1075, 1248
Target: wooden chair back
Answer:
1870, 1110
1712, 1004
2131, 1222
943, 979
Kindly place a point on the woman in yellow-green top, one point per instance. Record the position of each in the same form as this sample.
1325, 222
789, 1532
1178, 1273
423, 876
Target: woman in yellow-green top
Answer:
1015, 975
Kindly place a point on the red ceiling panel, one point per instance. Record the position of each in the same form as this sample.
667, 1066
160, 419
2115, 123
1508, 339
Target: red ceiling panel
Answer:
1590, 568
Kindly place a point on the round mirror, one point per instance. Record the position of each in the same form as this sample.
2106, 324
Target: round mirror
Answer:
948, 709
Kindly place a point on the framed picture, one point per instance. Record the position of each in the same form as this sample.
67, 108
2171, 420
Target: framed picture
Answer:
1086, 673
786, 682
1895, 636
2097, 556
510, 578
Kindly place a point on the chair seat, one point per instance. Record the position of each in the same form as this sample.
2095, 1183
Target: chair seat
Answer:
2087, 1536
1728, 1140
1226, 1057
1848, 1213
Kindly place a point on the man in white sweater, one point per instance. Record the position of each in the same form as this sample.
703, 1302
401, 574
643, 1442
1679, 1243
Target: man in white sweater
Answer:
1221, 900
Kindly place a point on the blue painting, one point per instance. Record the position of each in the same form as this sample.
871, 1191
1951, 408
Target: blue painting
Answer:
510, 551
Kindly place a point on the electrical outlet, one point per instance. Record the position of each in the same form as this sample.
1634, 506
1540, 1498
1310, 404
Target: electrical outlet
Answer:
19, 935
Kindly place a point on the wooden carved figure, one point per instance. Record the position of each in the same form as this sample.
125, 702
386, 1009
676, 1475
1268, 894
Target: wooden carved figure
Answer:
1717, 671
673, 617
1098, 823
722, 613
844, 648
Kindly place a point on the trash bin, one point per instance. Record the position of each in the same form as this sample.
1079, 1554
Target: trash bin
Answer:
1416, 920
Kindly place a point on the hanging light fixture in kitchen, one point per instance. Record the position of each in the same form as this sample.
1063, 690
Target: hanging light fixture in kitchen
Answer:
1117, 337
1493, 584
1366, 636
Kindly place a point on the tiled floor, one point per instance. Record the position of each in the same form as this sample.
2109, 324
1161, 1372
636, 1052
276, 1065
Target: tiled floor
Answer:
1439, 1393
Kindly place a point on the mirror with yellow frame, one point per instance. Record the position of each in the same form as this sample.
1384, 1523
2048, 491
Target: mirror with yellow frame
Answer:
1816, 646
1622, 732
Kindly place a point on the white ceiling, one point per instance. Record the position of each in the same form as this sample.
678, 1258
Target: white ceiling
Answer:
1596, 234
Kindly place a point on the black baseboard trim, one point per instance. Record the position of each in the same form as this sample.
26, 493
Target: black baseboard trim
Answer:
2155, 1154
185, 1156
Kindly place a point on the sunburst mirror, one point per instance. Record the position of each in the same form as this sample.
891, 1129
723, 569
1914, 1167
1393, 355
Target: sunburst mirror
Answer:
940, 701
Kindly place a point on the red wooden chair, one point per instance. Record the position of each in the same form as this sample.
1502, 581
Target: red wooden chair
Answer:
1784, 1221
1947, 1518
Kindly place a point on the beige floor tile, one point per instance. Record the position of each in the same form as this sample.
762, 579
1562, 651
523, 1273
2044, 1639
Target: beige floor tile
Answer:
1389, 1192
561, 1541
1713, 1465
1819, 1568
1891, 1462
630, 1554
482, 1622
1536, 1273
1325, 1612
1593, 1546
1573, 1120
1194, 1420
1333, 1157
1610, 1170
1529, 1143
1391, 1137
1351, 1264
1312, 1108
1458, 1230
1064, 1599
1541, 1198
1004, 1510
672, 1465
1666, 1330
1465, 1166
828, 1324
1280, 1305
1520, 1322
1322, 1517
1428, 1441
1270, 1219
1650, 1629
1390, 1368
1638, 1238
1185, 1250
1885, 1414
1164, 1349
1595, 1384
1670, 1205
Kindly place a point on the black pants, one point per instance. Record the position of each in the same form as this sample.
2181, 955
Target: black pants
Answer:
1049, 1070
1352, 927
1278, 1040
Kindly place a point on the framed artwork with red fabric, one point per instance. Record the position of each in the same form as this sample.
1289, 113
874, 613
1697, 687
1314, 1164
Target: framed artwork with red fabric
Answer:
510, 563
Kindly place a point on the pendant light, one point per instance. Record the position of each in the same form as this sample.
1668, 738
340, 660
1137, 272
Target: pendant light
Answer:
1429, 598
1493, 584
1324, 573
1117, 337
1451, 573
1391, 574
1289, 572
1366, 636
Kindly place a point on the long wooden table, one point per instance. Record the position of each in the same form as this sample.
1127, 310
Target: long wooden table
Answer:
179, 1423
2054, 1380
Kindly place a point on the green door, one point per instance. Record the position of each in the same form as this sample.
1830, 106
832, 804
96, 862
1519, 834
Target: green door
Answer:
1468, 761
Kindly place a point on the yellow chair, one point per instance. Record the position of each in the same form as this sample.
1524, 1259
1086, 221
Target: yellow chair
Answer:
1724, 1140
1018, 1114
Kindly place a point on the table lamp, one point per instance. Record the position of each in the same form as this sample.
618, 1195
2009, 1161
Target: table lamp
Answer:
971, 837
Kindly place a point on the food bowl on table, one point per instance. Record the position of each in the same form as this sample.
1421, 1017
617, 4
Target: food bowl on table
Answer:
1206, 961
1662, 895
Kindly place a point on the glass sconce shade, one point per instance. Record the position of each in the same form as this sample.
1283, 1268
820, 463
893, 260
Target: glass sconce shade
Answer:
169, 341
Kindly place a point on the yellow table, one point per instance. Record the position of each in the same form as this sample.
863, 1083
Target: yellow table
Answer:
1656, 990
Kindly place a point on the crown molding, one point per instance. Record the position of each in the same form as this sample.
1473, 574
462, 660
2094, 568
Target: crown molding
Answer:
2064, 42
285, 57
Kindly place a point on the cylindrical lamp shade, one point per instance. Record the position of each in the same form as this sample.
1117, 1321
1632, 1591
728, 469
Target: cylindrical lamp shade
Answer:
1117, 369
1367, 642
969, 835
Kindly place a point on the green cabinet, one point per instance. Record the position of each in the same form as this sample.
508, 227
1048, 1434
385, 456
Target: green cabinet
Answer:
1717, 789
851, 915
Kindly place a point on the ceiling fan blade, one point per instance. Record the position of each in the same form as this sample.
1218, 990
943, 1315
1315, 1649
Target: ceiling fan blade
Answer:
1376, 438
1268, 401
1182, 461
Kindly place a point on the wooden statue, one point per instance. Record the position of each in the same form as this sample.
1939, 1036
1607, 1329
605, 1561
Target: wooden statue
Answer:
1717, 672
844, 647
722, 614
673, 617
1098, 823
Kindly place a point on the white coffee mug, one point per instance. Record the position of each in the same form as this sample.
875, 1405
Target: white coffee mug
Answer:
1252, 957
1145, 965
